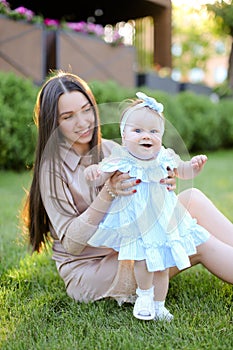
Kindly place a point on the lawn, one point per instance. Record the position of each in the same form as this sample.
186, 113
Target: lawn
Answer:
36, 313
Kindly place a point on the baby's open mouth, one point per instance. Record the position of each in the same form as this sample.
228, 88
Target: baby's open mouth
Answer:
147, 145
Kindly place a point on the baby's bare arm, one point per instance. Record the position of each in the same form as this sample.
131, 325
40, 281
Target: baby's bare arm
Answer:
190, 169
93, 174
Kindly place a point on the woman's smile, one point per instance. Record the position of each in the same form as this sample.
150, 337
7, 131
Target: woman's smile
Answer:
84, 133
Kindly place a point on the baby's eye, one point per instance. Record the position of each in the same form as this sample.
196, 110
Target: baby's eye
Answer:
155, 131
138, 130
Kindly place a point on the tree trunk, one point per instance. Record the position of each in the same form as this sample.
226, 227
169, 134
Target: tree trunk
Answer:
230, 67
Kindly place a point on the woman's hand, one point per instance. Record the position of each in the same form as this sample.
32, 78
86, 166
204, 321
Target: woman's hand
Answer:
120, 187
170, 180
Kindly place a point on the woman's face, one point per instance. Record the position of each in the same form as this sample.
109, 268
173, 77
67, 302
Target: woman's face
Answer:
143, 133
76, 120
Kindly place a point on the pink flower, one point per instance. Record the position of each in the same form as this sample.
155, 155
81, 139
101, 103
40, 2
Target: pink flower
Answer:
77, 26
25, 12
96, 29
5, 3
54, 23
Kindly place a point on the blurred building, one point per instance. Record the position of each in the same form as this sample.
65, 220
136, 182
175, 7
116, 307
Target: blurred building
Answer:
149, 20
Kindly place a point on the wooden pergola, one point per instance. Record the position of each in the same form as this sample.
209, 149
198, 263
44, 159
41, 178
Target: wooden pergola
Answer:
113, 12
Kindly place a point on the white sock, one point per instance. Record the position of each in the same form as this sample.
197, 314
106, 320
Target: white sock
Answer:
161, 312
142, 292
159, 304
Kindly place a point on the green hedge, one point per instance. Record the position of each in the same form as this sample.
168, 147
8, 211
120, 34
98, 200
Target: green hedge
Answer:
17, 130
193, 122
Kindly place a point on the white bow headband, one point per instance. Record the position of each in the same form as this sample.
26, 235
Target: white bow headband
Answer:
147, 102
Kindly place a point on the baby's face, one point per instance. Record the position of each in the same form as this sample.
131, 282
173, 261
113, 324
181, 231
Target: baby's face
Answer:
143, 133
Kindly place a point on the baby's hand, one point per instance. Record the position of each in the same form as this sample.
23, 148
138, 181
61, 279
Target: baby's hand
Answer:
198, 162
92, 172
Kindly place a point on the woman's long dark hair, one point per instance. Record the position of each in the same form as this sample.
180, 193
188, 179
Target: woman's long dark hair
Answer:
35, 218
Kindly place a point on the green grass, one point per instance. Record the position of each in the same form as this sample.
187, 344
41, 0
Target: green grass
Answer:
36, 313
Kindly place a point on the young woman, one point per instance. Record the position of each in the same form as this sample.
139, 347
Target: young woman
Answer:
62, 206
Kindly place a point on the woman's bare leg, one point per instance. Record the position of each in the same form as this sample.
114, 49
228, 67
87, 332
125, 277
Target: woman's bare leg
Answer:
207, 215
216, 256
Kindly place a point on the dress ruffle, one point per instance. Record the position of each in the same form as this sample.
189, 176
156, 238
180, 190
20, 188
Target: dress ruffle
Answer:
152, 170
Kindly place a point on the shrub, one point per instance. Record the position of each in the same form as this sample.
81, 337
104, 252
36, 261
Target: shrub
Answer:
109, 96
225, 111
203, 120
17, 135
193, 122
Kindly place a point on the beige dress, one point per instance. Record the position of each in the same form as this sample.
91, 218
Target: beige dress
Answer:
89, 273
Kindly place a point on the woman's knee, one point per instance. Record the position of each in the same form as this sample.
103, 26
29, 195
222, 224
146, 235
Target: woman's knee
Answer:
190, 197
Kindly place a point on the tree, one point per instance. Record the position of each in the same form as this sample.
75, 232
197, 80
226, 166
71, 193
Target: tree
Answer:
193, 45
223, 12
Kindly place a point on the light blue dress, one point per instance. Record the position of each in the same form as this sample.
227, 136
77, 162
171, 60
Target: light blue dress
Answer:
150, 224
